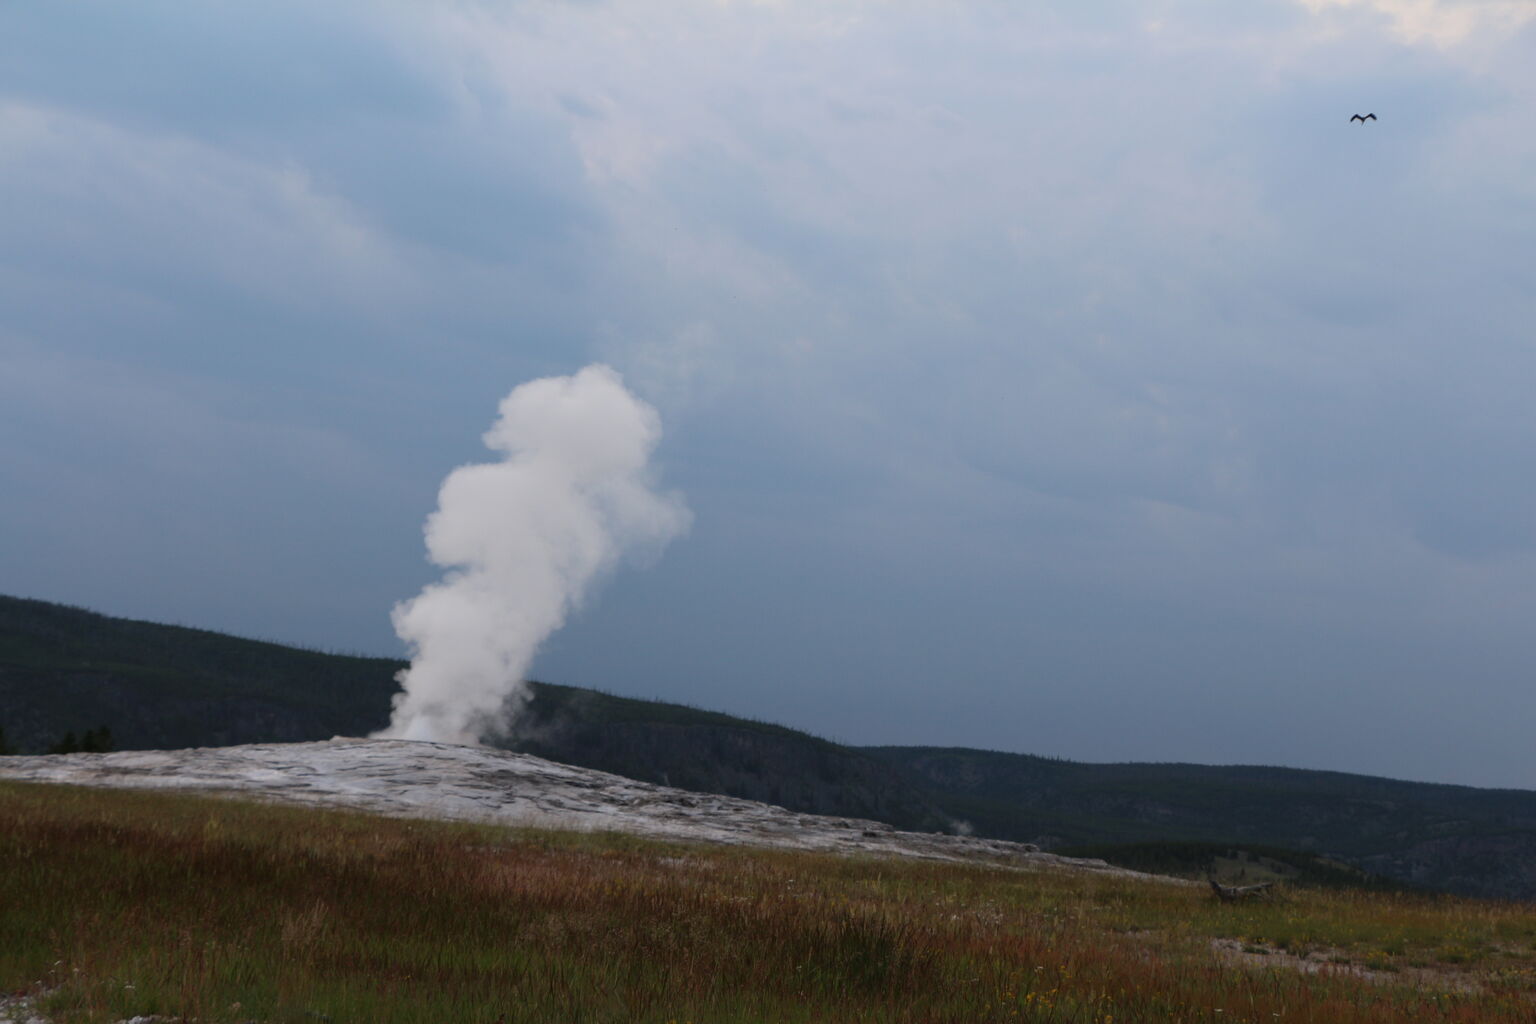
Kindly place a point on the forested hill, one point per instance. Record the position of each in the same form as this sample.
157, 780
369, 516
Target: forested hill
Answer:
164, 687
154, 686
1452, 837
712, 752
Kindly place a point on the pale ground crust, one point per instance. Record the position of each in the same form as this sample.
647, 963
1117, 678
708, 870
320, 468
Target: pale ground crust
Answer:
438, 780
409, 779
18, 1010
1333, 962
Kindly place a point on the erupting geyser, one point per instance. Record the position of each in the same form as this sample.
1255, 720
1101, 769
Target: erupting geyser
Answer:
523, 539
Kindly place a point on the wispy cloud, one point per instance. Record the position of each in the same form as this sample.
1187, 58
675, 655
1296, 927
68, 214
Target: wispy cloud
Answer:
1441, 23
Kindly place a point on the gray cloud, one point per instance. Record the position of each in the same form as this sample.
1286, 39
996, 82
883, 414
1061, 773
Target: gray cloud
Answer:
1074, 379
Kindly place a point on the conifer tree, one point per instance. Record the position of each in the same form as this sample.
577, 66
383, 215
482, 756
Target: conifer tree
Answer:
96, 741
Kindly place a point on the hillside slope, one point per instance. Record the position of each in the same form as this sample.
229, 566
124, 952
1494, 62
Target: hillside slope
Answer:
1459, 838
166, 687
710, 752
497, 787
163, 687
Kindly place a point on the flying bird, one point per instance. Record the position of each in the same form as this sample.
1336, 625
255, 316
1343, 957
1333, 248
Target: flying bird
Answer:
1362, 118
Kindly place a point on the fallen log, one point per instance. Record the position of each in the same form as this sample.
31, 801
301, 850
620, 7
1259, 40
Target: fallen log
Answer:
1234, 893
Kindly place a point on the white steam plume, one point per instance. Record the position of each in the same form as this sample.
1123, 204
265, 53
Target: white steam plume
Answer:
523, 539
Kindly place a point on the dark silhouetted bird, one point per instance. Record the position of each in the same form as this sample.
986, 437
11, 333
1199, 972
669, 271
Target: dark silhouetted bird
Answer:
1362, 118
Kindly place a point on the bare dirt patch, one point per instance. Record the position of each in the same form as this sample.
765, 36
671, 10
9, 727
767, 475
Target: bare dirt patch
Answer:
1335, 962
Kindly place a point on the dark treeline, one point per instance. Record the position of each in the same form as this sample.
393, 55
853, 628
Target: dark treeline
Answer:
91, 741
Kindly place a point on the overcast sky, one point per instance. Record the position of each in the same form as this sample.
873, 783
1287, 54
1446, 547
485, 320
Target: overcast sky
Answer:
1069, 378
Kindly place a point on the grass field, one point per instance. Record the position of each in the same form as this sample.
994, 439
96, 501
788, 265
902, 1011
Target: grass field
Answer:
116, 903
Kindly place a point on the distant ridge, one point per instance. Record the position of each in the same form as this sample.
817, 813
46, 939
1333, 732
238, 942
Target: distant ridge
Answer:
1457, 838
166, 687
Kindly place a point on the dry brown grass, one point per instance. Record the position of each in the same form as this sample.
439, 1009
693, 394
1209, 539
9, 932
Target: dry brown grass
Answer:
121, 903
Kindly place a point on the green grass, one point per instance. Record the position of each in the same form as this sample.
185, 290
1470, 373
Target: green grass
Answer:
119, 903
1236, 865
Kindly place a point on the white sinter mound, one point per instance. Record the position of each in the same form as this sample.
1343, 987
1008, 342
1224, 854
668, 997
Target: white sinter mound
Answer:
439, 780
